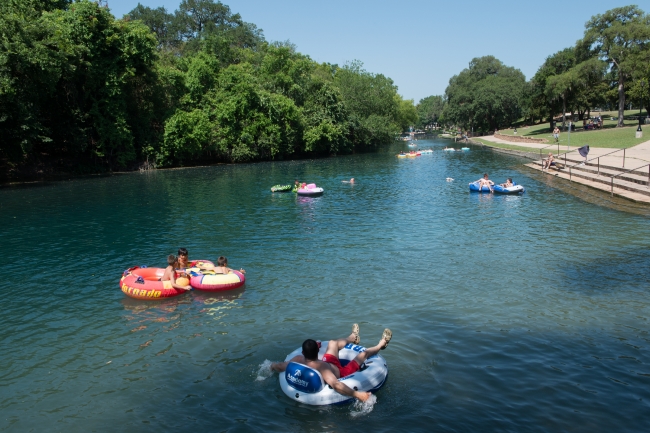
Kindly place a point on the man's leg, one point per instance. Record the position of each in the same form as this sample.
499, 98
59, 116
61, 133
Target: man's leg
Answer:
334, 346
371, 351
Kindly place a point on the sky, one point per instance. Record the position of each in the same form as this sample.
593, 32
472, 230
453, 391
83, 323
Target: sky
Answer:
419, 44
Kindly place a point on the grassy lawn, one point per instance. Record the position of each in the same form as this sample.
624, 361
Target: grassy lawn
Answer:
609, 136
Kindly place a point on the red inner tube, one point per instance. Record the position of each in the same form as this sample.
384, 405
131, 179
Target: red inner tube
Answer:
145, 284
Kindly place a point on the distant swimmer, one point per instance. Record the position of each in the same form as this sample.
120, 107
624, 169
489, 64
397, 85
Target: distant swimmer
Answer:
449, 179
348, 181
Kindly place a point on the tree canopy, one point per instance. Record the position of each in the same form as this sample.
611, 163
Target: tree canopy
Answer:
85, 92
486, 96
620, 36
429, 110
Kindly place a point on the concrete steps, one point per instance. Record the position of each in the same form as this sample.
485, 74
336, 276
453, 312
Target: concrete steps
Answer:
633, 185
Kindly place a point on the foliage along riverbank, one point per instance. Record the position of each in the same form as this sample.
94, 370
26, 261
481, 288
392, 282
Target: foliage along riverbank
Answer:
609, 68
82, 92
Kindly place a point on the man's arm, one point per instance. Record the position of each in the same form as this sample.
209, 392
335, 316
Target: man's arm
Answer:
282, 366
279, 366
342, 388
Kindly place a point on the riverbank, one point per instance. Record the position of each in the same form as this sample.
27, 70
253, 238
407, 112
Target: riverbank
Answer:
616, 171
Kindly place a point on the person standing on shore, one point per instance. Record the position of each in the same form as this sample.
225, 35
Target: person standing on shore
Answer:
556, 134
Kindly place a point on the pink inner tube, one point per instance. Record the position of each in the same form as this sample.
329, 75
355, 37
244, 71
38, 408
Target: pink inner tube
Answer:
218, 282
310, 189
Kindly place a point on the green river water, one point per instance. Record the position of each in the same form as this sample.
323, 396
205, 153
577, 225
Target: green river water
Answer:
509, 313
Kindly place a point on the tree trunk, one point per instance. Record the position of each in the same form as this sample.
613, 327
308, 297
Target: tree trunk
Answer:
563, 113
621, 98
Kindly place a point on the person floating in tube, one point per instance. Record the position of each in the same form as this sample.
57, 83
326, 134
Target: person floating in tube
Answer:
169, 276
183, 261
222, 266
330, 367
485, 182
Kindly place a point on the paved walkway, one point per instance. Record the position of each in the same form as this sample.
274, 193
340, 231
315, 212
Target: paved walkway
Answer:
634, 156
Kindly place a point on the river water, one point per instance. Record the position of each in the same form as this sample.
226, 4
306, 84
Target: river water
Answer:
509, 313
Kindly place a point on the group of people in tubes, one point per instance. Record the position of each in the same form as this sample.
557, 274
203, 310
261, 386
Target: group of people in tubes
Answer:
329, 366
485, 181
176, 271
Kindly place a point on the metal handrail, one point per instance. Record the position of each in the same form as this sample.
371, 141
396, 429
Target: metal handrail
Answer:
598, 158
633, 169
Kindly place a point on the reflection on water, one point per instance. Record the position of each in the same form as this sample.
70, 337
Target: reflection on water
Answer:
509, 313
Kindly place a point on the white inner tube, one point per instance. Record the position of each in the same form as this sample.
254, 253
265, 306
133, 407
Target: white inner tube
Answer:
306, 385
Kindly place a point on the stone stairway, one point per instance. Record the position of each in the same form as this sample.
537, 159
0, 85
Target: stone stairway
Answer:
633, 185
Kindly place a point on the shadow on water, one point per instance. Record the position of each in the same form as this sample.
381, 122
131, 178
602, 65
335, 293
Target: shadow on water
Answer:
623, 270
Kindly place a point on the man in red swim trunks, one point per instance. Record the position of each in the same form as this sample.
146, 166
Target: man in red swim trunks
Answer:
330, 367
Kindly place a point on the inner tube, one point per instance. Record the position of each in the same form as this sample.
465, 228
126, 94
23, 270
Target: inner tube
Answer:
281, 188
210, 281
144, 283
310, 189
514, 189
306, 385
473, 187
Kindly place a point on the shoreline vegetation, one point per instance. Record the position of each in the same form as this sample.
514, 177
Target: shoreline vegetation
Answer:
608, 136
82, 92
603, 75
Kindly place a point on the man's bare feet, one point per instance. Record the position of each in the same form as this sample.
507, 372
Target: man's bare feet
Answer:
356, 339
385, 338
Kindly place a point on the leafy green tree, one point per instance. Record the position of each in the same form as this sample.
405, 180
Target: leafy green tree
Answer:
199, 84
407, 115
485, 96
159, 21
370, 101
639, 91
187, 135
619, 36
429, 110
74, 84
546, 90
252, 123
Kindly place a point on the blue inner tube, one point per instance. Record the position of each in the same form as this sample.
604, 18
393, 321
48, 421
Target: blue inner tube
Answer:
306, 385
473, 187
514, 189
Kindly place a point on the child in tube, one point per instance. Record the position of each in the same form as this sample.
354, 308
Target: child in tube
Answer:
169, 277
222, 266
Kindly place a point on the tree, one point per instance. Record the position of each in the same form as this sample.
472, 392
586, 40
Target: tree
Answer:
548, 90
158, 20
407, 115
75, 85
619, 36
370, 101
485, 96
429, 110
